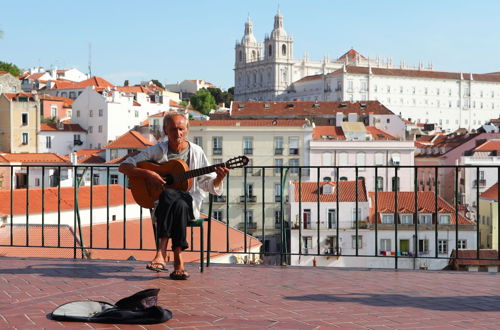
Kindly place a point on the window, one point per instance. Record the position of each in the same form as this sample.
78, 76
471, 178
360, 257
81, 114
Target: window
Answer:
72, 95
331, 244
379, 158
24, 119
100, 112
48, 142
326, 159
307, 243
293, 145
278, 145
25, 138
95, 179
306, 218
278, 162
91, 129
53, 111
442, 246
364, 85
355, 215
423, 246
37, 182
277, 218
332, 218
217, 145
100, 128
349, 86
78, 113
247, 145
91, 113
218, 215
249, 189
380, 183
277, 192
406, 219
136, 113
283, 50
361, 160
444, 219
249, 217
343, 159
359, 240
270, 50
385, 245
395, 183
113, 179
198, 140
294, 162
424, 219
462, 244
388, 219
327, 188
388, 89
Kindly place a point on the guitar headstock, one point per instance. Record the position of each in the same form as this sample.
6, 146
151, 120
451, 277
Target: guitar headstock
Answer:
236, 162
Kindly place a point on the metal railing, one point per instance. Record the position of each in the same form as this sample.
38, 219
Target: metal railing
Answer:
425, 242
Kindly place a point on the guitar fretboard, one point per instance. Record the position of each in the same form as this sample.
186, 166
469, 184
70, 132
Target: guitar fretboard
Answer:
199, 171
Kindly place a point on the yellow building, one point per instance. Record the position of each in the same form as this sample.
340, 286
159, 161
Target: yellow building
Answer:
19, 122
488, 218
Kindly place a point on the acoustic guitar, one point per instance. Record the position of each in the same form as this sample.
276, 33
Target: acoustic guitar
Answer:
176, 174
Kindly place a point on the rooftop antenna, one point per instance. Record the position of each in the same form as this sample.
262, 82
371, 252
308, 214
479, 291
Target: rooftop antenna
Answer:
90, 59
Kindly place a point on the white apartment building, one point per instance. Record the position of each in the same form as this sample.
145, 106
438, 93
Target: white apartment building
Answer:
107, 115
266, 143
353, 144
373, 246
61, 138
186, 88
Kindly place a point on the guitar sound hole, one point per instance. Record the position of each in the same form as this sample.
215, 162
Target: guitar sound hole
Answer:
169, 179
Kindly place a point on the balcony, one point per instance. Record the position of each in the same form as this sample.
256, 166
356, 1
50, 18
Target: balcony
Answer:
250, 225
482, 183
293, 151
216, 151
219, 199
248, 151
249, 199
278, 151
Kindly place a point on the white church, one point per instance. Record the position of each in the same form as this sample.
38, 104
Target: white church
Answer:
269, 72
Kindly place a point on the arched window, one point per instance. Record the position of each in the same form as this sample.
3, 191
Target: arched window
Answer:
380, 183
283, 50
270, 52
254, 55
241, 55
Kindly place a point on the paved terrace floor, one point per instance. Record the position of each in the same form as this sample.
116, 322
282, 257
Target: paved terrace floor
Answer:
241, 296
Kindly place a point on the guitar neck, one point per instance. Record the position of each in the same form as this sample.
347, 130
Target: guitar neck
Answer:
199, 171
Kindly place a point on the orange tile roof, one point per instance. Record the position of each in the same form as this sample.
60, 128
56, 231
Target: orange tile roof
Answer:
132, 89
66, 198
83, 152
491, 145
406, 204
35, 76
12, 96
306, 108
67, 101
351, 54
336, 133
469, 258
32, 158
248, 122
98, 82
65, 128
491, 193
310, 78
416, 73
91, 159
175, 104
347, 191
129, 140
121, 159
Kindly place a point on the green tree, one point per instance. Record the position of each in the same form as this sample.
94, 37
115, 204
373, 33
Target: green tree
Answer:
228, 97
183, 104
216, 93
203, 101
157, 83
10, 68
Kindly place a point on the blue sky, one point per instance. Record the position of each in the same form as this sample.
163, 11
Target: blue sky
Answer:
194, 39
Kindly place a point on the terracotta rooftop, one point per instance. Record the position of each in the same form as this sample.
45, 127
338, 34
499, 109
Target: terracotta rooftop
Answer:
306, 108
52, 198
129, 140
351, 54
491, 193
491, 145
406, 204
249, 122
14, 96
336, 133
64, 128
98, 82
417, 73
309, 191
67, 101
121, 159
468, 256
32, 158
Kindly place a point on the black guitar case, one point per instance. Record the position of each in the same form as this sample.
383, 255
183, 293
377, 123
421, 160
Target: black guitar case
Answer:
140, 308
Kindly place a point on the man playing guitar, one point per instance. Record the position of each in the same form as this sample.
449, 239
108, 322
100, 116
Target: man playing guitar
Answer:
175, 208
